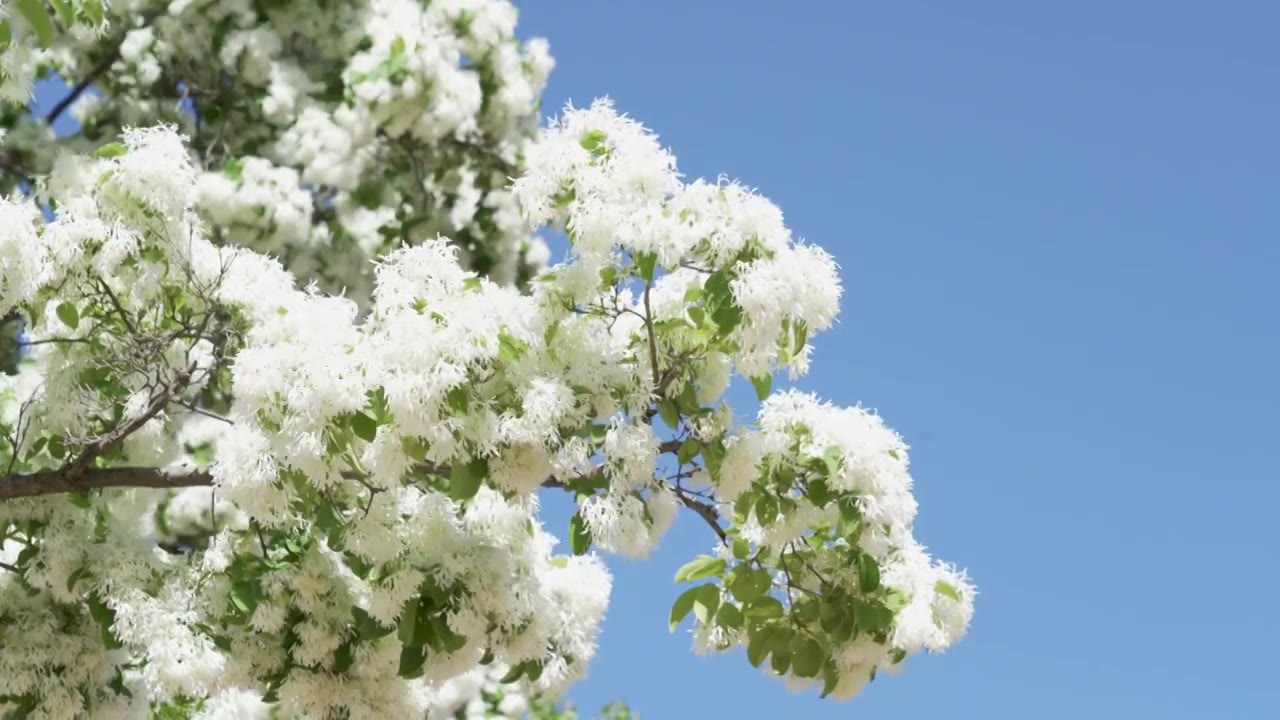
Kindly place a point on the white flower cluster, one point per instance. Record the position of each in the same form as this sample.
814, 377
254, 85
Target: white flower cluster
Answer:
372, 532
329, 131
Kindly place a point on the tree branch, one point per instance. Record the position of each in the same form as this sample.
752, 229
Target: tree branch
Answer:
53, 482
113, 54
705, 511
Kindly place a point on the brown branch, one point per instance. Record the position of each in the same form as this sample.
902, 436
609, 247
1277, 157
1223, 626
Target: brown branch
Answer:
705, 511
53, 482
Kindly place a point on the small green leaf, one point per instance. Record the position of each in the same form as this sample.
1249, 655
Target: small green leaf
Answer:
579, 535
68, 314
745, 585
706, 602
408, 625
365, 427
233, 169
766, 509
593, 142
780, 650
700, 568
75, 577
758, 645
57, 447
729, 616
466, 478
868, 573
111, 150
343, 658
515, 673
764, 608
830, 678
688, 451
81, 500
414, 448
34, 13
807, 658
412, 658
741, 548
946, 589
669, 413
646, 263
682, 606
763, 384
66, 12
94, 10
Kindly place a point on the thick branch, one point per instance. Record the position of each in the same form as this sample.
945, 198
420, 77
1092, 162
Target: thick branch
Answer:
53, 482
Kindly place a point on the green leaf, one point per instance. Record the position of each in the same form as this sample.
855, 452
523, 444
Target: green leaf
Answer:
780, 650
75, 578
706, 602
833, 459
868, 573
946, 589
758, 645
682, 606
57, 447
34, 13
646, 263
110, 150
68, 314
763, 384
365, 427
368, 628
669, 413
579, 535
412, 658
414, 448
729, 616
807, 658
830, 678
510, 349
593, 142
741, 548
343, 658
408, 625
66, 12
233, 169
6, 35
94, 10
81, 500
818, 492
105, 617
766, 509
397, 46
700, 568
764, 608
515, 673
465, 479
748, 585
688, 451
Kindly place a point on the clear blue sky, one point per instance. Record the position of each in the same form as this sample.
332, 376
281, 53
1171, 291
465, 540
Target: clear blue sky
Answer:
1058, 228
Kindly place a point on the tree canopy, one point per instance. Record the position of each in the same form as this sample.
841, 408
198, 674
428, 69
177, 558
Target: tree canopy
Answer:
289, 366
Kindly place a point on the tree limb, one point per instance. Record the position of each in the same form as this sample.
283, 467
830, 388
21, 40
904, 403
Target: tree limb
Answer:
52, 482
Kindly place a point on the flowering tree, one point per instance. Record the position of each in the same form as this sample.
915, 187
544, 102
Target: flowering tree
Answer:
294, 372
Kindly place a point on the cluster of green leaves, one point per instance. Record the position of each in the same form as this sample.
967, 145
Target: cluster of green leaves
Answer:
778, 599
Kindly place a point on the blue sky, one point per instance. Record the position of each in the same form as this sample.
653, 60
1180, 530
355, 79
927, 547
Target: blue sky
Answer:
1058, 225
